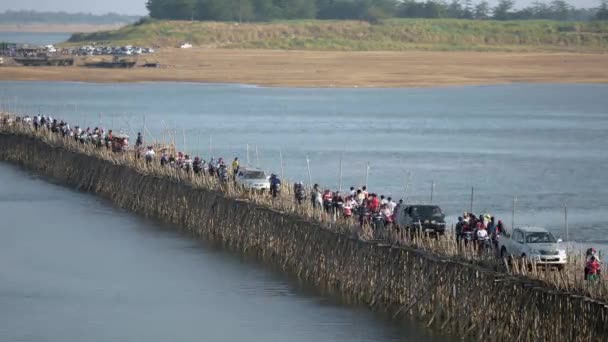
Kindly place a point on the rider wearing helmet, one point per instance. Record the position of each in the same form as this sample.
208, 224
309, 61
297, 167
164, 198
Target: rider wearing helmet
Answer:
592, 266
299, 192
275, 184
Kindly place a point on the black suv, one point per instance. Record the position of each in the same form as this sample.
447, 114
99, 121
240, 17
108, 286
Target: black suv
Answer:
427, 218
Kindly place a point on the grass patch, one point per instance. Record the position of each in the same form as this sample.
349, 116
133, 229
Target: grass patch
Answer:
391, 34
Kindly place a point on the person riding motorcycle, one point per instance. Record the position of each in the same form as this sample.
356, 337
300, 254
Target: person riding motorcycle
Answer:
327, 200
187, 165
360, 197
364, 213
316, 197
222, 173
236, 165
593, 267
387, 214
197, 165
482, 236
275, 185
349, 205
211, 167
373, 204
299, 192
337, 202
140, 140
467, 232
149, 155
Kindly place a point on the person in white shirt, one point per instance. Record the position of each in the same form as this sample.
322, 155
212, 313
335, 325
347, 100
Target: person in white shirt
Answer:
482, 234
391, 205
150, 155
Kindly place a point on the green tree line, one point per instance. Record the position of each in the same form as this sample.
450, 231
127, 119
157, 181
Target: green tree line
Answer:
371, 10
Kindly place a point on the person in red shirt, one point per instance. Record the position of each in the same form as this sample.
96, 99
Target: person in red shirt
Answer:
592, 269
373, 204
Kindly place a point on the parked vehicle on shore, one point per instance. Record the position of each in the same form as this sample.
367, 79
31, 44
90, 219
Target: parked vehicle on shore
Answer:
534, 245
425, 218
253, 179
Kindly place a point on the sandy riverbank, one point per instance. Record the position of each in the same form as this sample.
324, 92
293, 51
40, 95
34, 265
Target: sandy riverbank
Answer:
339, 69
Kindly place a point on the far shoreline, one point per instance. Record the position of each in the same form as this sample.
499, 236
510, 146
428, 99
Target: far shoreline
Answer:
58, 28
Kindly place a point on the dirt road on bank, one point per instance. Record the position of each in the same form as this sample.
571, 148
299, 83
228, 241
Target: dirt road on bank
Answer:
338, 69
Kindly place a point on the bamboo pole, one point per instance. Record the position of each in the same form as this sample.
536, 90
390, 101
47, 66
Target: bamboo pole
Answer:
144, 130
198, 140
282, 169
513, 213
472, 199
130, 128
309, 174
184, 136
566, 222
340, 175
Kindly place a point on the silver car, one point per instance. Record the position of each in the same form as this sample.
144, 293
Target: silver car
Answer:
253, 179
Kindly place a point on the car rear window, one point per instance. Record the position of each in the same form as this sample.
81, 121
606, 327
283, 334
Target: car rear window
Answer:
426, 211
540, 237
254, 175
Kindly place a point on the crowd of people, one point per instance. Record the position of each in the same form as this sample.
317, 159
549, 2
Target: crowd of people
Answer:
484, 229
97, 136
370, 209
357, 202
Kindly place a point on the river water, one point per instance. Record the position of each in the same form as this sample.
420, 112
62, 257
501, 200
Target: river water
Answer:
543, 144
75, 268
34, 38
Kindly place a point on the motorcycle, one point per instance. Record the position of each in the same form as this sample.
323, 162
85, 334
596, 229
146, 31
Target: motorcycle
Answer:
364, 215
338, 206
197, 167
484, 245
379, 222
223, 174
300, 195
327, 204
275, 189
467, 237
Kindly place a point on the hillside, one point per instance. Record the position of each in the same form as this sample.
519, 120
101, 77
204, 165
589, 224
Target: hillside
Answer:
392, 34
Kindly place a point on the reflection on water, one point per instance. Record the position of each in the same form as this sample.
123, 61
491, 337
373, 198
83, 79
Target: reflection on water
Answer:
74, 268
544, 144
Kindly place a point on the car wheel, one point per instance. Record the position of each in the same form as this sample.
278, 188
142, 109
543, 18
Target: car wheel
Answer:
560, 267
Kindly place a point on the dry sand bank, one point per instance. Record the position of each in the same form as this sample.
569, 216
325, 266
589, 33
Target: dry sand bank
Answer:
339, 69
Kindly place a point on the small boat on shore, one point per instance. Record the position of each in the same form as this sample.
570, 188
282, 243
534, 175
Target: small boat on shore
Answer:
44, 61
114, 64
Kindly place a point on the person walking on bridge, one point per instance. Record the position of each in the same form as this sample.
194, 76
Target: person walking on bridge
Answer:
140, 140
235, 168
149, 155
